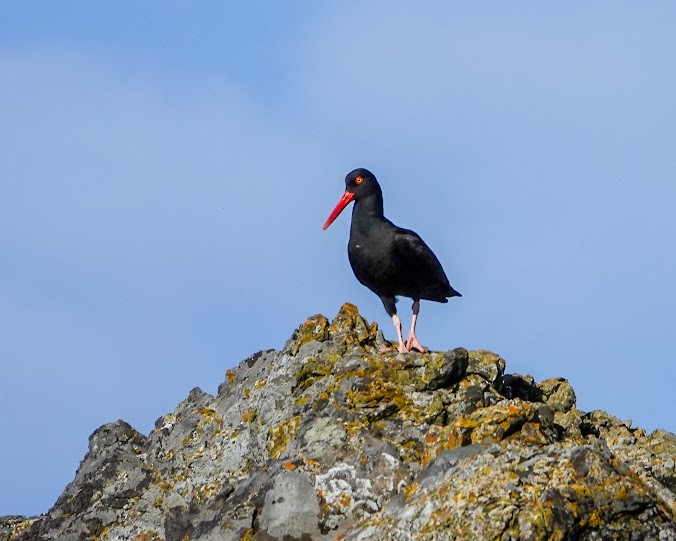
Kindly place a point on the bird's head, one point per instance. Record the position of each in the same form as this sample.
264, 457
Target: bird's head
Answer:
359, 184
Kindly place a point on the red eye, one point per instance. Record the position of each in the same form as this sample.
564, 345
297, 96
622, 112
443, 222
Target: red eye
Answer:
359, 180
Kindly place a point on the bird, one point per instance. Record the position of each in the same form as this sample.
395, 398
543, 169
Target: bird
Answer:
389, 260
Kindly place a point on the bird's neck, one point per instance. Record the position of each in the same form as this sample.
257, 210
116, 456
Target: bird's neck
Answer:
367, 212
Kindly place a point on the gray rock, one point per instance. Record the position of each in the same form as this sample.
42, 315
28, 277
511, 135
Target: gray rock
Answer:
451, 367
331, 439
290, 510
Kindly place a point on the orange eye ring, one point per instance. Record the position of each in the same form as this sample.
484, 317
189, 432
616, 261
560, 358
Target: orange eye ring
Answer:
359, 180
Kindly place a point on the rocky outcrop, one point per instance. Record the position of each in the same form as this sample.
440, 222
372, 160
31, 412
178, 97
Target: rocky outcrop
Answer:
332, 439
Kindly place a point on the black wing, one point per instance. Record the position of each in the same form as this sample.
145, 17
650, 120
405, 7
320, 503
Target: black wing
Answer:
420, 268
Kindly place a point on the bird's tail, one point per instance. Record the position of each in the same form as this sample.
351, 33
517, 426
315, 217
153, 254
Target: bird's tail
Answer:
453, 293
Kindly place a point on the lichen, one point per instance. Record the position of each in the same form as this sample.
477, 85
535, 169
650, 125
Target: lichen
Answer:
248, 535
20, 527
249, 416
150, 535
209, 415
281, 434
472, 452
315, 329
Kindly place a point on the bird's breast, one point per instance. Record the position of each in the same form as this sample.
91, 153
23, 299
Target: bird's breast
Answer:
369, 260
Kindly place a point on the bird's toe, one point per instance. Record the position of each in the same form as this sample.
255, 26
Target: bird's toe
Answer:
412, 343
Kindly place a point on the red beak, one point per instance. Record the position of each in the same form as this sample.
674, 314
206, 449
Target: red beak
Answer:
344, 201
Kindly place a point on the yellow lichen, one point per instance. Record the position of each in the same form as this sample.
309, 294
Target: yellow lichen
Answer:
594, 520
410, 490
557, 535
209, 415
248, 535
249, 416
312, 370
355, 426
165, 486
20, 527
314, 329
150, 535
281, 434
201, 493
376, 392
100, 533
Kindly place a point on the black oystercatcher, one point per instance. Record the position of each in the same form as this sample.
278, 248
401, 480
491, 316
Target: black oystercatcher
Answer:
387, 259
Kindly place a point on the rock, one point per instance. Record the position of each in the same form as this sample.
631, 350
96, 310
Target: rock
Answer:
290, 509
486, 364
324, 435
315, 329
445, 369
332, 439
557, 393
517, 386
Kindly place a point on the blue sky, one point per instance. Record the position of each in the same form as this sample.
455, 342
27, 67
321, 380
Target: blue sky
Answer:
166, 168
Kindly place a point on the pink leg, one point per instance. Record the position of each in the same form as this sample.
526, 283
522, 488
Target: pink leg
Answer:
412, 341
397, 325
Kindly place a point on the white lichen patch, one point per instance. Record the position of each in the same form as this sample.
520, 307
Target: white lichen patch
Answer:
391, 461
345, 494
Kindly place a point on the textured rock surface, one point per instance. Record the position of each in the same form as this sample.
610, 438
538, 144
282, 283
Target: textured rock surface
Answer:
330, 439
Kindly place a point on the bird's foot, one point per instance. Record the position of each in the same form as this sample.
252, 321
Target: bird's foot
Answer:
401, 348
412, 343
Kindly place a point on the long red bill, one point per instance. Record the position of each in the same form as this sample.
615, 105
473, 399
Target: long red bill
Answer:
347, 197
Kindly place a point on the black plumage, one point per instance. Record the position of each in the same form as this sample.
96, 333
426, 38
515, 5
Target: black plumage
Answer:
389, 260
